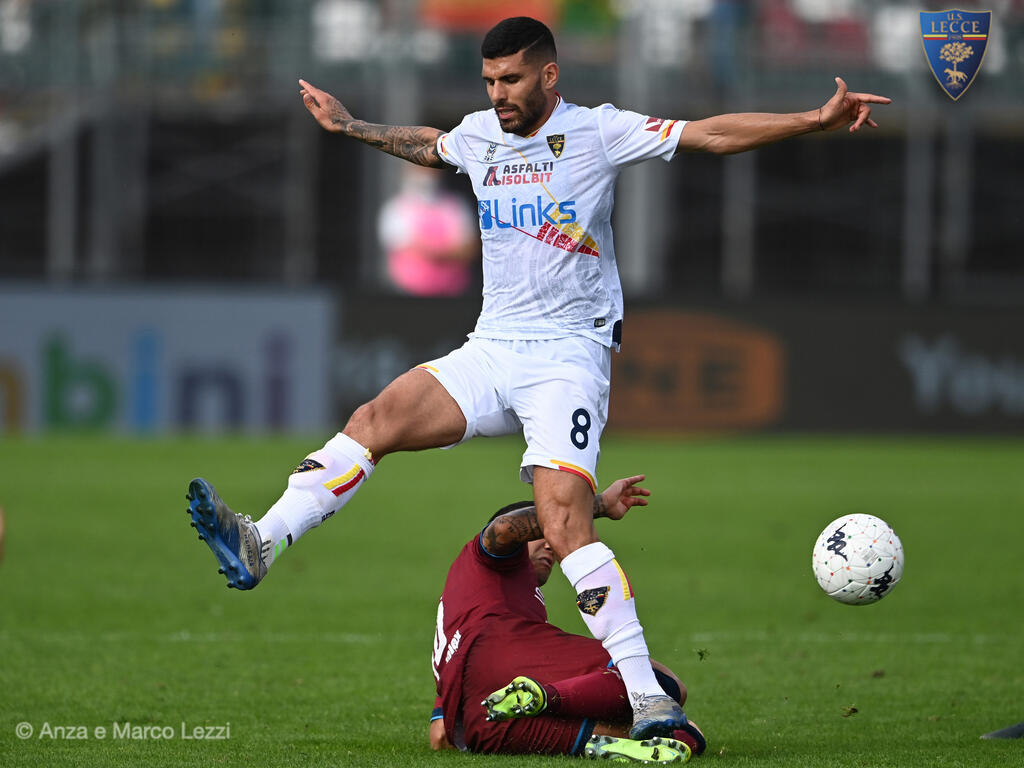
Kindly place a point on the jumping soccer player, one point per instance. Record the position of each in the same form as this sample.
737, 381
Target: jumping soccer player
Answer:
492, 628
539, 360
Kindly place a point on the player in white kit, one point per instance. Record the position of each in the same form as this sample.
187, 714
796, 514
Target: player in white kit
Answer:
539, 359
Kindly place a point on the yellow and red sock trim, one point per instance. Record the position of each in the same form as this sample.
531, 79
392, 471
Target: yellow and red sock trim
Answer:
339, 485
627, 588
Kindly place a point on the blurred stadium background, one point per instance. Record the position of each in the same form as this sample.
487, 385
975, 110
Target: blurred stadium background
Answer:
182, 248
184, 253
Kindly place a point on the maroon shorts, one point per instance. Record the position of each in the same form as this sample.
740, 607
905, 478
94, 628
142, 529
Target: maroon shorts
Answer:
540, 651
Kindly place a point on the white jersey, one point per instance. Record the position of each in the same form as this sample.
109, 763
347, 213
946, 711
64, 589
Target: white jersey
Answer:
545, 206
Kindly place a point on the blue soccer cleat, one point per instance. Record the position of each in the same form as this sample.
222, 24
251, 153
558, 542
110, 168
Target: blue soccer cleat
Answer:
232, 538
656, 716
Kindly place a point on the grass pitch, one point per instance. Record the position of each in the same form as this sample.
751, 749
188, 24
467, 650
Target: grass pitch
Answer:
114, 624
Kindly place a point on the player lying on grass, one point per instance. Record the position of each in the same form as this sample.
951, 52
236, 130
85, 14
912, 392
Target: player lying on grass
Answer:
539, 360
565, 696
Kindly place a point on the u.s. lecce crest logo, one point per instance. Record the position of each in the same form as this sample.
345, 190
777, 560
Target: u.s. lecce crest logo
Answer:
954, 44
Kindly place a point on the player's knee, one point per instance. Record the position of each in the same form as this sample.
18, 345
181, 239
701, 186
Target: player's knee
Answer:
367, 425
363, 417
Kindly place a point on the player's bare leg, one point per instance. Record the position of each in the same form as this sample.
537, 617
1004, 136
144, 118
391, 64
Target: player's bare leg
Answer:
412, 413
565, 510
565, 503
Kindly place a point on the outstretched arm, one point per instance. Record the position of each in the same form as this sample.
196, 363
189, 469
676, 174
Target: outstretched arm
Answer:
417, 144
506, 533
728, 134
619, 497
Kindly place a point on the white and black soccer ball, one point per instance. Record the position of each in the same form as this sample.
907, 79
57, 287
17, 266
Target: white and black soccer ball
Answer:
858, 559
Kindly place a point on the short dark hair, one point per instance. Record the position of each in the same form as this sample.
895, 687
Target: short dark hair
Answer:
510, 508
520, 33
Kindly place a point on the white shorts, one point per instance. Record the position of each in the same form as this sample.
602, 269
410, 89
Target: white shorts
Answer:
555, 391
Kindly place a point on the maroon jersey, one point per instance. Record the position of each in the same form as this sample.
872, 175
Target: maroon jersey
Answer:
480, 589
491, 626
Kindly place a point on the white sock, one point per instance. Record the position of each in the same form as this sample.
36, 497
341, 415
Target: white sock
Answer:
321, 485
605, 600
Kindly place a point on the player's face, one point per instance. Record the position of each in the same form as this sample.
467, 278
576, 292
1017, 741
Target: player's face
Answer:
542, 557
523, 93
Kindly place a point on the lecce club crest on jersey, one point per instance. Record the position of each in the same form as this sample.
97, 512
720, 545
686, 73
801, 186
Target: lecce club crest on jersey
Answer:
556, 143
954, 44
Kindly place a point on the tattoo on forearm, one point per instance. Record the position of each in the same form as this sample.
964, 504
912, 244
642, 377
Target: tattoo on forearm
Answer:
599, 508
491, 538
512, 530
417, 144
523, 525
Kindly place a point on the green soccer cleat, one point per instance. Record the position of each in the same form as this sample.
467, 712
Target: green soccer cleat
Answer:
522, 697
654, 751
232, 538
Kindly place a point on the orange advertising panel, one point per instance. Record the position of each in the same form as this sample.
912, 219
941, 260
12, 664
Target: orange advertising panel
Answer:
696, 371
472, 15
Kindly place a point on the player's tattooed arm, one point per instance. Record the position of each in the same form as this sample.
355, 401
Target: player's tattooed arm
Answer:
417, 144
507, 533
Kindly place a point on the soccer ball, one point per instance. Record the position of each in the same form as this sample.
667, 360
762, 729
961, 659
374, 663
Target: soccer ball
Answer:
858, 559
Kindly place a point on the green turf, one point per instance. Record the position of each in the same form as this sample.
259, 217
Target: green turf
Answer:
112, 612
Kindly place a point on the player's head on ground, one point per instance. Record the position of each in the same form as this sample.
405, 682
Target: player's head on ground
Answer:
520, 70
542, 557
